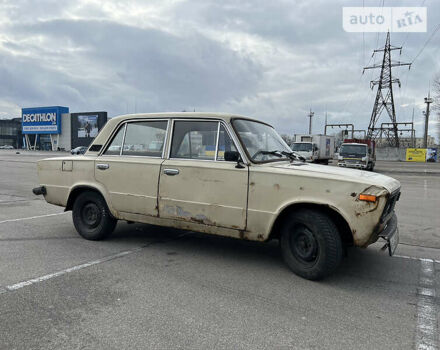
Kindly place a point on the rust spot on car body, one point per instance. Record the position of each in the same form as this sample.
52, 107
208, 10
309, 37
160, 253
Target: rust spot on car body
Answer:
243, 234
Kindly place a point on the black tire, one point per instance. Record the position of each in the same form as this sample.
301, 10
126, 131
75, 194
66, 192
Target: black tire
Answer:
310, 244
91, 216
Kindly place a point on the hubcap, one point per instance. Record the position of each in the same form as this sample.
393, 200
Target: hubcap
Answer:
303, 244
91, 215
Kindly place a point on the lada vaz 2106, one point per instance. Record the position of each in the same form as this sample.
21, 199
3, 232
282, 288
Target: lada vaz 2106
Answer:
226, 175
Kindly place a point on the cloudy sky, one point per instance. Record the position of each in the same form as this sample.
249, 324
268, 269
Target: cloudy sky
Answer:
273, 60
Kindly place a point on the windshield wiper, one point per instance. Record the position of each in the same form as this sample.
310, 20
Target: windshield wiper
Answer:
273, 153
293, 155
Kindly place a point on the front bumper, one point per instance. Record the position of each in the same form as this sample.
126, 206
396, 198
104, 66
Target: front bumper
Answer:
390, 234
352, 165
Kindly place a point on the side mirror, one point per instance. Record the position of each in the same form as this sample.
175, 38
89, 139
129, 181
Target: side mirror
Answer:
232, 156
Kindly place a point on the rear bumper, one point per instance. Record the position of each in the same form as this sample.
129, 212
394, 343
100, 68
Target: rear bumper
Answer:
41, 190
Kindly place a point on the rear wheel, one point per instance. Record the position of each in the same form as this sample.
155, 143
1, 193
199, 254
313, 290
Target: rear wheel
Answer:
91, 216
310, 244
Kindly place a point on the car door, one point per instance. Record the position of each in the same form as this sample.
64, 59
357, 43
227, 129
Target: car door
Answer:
130, 165
196, 183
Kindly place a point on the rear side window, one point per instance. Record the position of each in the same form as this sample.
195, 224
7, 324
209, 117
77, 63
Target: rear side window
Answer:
115, 146
194, 140
145, 139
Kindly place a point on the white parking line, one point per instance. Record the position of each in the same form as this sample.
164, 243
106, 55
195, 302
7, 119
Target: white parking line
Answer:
70, 269
32, 217
49, 276
414, 258
426, 332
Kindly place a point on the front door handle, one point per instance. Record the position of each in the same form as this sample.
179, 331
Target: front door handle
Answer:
171, 172
102, 166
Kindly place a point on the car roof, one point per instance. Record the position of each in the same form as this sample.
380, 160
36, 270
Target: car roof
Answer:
183, 115
112, 123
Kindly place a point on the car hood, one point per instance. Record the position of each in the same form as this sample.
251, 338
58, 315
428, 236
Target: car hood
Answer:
343, 174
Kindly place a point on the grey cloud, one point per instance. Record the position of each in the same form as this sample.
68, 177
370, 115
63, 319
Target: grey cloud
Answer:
179, 71
105, 64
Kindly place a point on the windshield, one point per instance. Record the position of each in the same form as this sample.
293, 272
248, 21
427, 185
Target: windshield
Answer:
353, 150
302, 147
261, 141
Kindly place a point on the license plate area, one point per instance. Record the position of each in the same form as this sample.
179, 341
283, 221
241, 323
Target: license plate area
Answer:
391, 235
393, 242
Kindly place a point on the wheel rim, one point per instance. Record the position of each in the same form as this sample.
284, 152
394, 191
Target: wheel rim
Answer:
304, 245
91, 215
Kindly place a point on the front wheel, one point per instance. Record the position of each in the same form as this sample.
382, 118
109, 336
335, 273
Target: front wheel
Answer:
91, 216
310, 244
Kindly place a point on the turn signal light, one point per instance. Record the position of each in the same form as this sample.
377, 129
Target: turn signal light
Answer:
367, 197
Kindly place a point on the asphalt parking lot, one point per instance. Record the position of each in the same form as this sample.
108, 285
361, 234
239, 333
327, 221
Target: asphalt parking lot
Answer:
150, 287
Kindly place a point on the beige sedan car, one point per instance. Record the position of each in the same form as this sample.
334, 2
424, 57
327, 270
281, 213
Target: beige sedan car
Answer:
221, 174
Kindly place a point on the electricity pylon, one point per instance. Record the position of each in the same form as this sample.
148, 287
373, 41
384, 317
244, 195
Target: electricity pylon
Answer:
384, 96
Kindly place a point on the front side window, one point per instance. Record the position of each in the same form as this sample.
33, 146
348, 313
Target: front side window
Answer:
145, 138
261, 141
115, 146
225, 144
194, 140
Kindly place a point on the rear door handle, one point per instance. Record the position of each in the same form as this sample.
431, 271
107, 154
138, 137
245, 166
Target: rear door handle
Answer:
102, 166
171, 172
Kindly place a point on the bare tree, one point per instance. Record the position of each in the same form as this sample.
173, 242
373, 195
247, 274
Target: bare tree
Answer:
287, 138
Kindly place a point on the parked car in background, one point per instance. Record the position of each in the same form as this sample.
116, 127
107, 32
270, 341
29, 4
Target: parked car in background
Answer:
222, 174
79, 150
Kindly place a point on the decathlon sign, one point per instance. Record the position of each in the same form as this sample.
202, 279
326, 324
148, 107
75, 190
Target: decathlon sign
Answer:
42, 120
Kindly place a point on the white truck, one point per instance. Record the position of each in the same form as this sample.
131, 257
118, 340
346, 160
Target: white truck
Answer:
314, 148
357, 153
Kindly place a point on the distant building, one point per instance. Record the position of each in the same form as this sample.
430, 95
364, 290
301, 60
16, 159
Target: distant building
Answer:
51, 128
10, 133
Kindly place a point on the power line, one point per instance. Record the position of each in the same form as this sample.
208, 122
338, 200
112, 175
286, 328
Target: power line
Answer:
427, 42
407, 34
